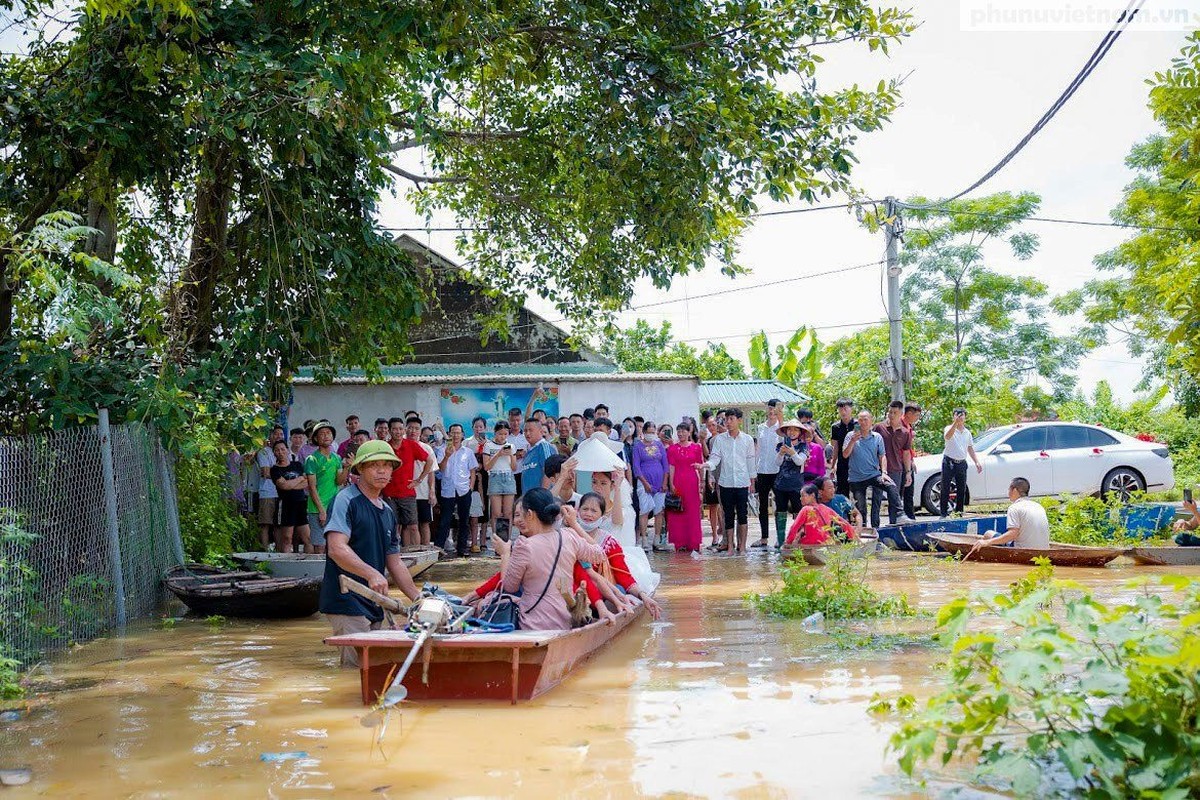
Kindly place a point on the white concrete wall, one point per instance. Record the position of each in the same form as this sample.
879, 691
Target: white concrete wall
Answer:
662, 401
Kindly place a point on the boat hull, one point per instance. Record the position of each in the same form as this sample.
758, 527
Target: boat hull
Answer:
817, 554
418, 559
479, 666
209, 591
914, 537
1060, 555
1170, 555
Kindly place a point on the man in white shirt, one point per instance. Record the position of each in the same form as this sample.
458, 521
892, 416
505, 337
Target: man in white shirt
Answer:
268, 494
458, 480
960, 446
734, 452
1028, 526
768, 466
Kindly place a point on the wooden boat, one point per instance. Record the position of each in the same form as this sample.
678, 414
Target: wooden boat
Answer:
480, 666
914, 537
417, 558
1168, 555
1060, 555
816, 554
211, 591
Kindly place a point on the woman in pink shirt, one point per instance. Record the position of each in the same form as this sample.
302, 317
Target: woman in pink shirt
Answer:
543, 558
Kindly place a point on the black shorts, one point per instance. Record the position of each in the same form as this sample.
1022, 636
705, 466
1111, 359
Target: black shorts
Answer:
424, 511
405, 508
291, 514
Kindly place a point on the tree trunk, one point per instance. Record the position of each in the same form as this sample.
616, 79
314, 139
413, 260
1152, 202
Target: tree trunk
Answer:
101, 216
206, 261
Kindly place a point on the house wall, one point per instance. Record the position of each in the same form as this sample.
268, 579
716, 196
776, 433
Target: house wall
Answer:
662, 401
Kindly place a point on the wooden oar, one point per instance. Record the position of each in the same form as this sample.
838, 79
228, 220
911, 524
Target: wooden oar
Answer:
386, 602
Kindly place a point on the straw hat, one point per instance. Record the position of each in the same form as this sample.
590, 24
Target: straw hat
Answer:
594, 455
374, 450
791, 423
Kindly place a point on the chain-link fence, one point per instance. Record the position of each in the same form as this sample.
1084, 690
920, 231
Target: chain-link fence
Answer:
88, 525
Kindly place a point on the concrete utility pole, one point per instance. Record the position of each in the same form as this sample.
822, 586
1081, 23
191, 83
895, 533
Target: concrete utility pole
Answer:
894, 373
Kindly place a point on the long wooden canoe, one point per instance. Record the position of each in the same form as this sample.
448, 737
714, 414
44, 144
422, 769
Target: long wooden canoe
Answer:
480, 666
1060, 555
1168, 555
210, 590
417, 558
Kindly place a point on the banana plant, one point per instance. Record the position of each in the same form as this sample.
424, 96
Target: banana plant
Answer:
796, 363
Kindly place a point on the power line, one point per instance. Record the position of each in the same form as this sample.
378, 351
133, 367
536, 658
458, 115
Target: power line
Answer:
1093, 61
731, 290
1062, 221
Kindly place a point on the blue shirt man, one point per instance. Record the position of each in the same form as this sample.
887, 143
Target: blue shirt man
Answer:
533, 463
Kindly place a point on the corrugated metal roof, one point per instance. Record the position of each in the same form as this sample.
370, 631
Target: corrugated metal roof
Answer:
747, 393
493, 373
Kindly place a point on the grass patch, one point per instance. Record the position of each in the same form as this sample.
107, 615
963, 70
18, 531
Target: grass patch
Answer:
839, 590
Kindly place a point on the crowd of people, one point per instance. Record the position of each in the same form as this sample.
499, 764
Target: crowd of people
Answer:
455, 489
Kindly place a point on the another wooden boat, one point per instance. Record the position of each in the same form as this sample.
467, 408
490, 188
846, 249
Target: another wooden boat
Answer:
417, 558
1168, 555
1060, 555
210, 591
914, 537
817, 554
480, 666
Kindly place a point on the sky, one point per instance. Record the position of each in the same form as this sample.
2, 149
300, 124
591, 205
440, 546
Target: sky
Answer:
968, 97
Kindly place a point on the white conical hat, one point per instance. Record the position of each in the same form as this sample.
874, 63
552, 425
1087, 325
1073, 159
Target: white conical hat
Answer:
594, 455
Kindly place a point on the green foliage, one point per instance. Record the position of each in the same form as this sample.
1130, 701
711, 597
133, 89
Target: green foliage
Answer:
839, 590
643, 348
1150, 298
20, 604
209, 521
998, 321
167, 623
11, 687
1037, 578
796, 363
215, 621
1101, 698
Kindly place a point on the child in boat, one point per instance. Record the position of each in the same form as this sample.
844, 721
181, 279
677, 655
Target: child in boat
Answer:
817, 523
601, 527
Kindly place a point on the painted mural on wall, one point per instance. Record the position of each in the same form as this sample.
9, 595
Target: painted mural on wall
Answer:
462, 404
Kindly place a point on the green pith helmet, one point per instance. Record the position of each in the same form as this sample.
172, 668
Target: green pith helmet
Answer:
374, 450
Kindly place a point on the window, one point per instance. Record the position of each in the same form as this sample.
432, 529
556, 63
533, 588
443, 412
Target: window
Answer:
1098, 438
1030, 440
1067, 437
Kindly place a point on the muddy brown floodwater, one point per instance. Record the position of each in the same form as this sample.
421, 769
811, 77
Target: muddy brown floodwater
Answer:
715, 700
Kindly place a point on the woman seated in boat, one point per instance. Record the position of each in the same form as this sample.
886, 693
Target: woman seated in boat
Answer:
601, 527
541, 558
817, 523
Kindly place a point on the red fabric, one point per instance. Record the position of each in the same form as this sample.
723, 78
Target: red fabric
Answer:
616, 560
409, 451
812, 526
490, 585
589, 585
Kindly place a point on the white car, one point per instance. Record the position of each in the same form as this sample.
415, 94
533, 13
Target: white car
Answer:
1056, 458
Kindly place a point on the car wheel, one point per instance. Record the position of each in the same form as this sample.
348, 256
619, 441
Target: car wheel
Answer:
931, 496
1123, 482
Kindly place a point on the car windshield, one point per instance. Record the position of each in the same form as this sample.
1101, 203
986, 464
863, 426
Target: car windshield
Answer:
988, 438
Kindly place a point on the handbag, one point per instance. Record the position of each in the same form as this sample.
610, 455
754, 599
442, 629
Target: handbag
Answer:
673, 502
504, 610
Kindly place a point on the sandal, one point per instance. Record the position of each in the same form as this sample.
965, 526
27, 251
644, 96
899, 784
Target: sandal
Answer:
759, 543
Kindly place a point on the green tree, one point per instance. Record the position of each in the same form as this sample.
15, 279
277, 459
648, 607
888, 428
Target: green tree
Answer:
644, 348
990, 317
228, 158
1152, 298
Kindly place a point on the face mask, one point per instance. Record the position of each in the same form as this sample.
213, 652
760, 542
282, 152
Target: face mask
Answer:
650, 437
589, 526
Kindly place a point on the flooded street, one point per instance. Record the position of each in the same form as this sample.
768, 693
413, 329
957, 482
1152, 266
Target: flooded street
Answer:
715, 700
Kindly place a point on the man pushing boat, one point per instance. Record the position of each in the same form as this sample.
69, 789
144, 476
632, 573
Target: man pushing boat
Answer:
361, 540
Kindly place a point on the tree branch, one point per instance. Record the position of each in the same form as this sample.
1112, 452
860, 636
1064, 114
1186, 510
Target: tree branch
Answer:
420, 179
462, 136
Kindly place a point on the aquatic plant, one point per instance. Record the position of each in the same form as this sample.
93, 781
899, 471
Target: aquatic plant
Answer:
1088, 520
839, 591
1105, 697
215, 621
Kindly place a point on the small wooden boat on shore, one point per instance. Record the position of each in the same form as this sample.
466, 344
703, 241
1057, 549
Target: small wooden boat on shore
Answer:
417, 558
817, 555
914, 536
480, 666
1168, 555
209, 591
1060, 555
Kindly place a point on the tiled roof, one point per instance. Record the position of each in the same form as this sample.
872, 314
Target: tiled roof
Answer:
747, 393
